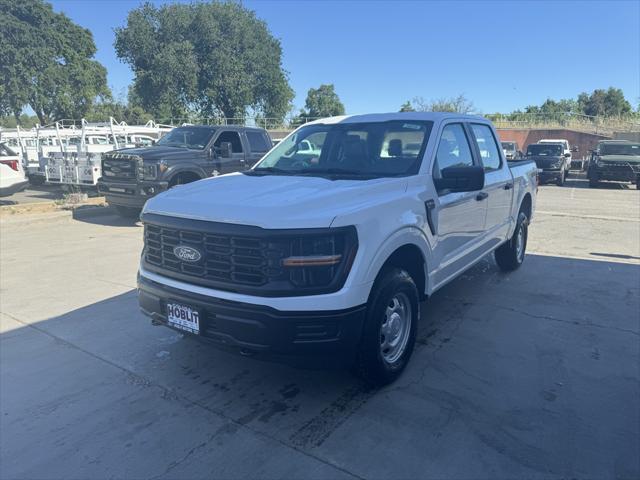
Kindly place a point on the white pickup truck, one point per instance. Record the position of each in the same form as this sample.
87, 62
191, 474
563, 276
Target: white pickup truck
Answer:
327, 252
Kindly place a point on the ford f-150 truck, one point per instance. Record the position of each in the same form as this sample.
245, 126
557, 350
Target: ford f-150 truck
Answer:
185, 154
617, 160
326, 252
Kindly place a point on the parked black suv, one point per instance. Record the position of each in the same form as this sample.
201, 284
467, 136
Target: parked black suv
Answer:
552, 162
617, 160
186, 154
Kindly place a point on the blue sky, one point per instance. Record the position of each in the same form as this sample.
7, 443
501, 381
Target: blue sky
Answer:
501, 55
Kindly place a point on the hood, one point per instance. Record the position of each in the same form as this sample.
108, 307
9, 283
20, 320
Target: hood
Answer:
159, 152
619, 158
270, 201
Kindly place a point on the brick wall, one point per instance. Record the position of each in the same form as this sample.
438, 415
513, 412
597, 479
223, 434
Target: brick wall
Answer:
524, 137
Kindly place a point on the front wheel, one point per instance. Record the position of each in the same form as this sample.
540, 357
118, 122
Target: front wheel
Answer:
389, 333
560, 180
593, 182
510, 255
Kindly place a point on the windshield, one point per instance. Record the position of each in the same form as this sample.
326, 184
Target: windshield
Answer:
632, 149
376, 149
187, 137
548, 150
510, 146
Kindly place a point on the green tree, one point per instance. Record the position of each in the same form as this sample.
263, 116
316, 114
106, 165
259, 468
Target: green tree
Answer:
203, 59
406, 107
322, 102
46, 62
459, 104
609, 102
131, 114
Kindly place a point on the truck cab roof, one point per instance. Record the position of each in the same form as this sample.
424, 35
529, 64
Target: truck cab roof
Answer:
435, 117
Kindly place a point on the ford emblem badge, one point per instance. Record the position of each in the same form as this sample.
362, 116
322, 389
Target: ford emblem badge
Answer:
187, 254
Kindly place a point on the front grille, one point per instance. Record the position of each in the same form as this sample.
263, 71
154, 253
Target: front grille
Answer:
225, 259
120, 167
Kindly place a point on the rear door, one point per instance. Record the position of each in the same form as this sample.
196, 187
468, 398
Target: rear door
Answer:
458, 218
498, 183
258, 143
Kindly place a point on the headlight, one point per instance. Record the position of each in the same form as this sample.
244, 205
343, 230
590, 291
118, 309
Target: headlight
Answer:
321, 260
149, 171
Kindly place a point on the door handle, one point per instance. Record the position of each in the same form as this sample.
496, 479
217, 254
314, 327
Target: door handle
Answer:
429, 206
481, 196
508, 186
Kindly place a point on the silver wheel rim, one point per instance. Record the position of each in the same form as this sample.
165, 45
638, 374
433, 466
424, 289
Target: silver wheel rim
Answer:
394, 332
520, 243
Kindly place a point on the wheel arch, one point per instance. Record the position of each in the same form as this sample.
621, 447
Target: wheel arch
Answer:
192, 174
526, 204
406, 249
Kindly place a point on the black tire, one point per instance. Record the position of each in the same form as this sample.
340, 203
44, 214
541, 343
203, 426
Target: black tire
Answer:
638, 183
593, 182
560, 179
374, 366
128, 212
510, 255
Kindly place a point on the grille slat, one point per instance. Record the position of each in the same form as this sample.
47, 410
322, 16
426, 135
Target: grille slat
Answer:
226, 258
120, 168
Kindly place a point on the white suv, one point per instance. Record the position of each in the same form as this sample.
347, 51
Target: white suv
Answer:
12, 177
326, 252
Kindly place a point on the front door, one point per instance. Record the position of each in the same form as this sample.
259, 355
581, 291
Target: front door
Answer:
458, 217
234, 163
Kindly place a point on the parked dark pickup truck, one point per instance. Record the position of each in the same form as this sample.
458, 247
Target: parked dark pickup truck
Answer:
552, 161
617, 160
186, 154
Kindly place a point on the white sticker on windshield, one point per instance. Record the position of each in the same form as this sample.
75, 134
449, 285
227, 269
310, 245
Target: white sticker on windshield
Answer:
412, 126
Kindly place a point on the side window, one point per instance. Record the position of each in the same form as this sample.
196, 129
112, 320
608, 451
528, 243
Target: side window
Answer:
233, 137
487, 145
453, 149
257, 142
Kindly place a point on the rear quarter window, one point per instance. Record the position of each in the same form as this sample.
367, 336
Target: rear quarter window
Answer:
257, 141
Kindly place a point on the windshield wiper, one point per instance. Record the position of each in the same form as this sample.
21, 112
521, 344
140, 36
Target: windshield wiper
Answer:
265, 170
335, 171
172, 144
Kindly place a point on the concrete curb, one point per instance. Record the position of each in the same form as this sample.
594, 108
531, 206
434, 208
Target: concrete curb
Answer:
45, 207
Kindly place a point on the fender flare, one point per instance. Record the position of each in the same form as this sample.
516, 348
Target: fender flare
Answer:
409, 235
173, 171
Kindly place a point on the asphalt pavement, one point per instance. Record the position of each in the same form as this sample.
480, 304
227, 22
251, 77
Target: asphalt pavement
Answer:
533, 374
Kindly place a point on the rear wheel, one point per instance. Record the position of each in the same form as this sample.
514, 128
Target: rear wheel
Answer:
128, 212
390, 328
510, 255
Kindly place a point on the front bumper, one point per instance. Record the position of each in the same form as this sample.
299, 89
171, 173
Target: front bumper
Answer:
546, 175
130, 194
309, 337
615, 173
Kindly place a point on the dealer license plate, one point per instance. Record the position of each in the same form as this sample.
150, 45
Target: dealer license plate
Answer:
183, 317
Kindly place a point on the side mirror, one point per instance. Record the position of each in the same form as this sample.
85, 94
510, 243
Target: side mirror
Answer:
461, 179
225, 149
567, 155
574, 149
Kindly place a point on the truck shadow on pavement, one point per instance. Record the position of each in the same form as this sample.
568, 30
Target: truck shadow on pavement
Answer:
521, 373
106, 216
